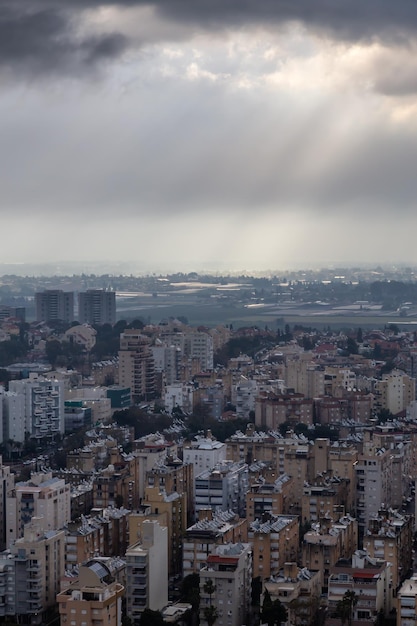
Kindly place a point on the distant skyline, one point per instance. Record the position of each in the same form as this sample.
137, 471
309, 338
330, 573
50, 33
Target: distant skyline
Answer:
197, 134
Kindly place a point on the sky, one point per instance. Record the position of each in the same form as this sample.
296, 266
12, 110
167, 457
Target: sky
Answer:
208, 134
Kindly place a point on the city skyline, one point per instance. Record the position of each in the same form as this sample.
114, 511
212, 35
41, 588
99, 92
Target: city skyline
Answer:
213, 135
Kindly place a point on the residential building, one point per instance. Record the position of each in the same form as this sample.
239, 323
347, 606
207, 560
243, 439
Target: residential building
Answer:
272, 410
30, 574
147, 572
298, 589
94, 598
223, 488
195, 345
229, 569
83, 335
44, 406
6, 486
136, 365
104, 532
369, 579
54, 304
167, 361
14, 416
389, 537
395, 392
327, 542
204, 453
274, 540
407, 602
243, 396
43, 497
97, 306
163, 499
212, 529
374, 483
323, 496
178, 395
268, 496
304, 376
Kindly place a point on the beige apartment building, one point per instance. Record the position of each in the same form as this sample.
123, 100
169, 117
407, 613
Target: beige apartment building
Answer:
136, 365
95, 598
274, 540
327, 542
211, 530
390, 538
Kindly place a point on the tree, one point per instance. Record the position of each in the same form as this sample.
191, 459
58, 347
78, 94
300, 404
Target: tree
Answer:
345, 606
190, 590
209, 588
151, 618
351, 346
210, 614
273, 612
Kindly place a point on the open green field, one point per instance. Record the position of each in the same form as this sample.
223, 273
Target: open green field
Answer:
212, 315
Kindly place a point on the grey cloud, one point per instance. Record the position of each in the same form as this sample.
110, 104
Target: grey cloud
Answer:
44, 40
41, 35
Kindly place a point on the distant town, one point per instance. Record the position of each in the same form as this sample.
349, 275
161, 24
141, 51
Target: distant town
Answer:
203, 449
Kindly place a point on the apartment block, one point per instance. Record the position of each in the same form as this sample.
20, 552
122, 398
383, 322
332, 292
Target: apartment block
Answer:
212, 529
265, 496
229, 569
204, 453
136, 365
97, 306
407, 602
272, 410
369, 579
274, 540
147, 572
298, 589
94, 598
30, 574
395, 392
43, 497
374, 483
327, 542
389, 537
223, 488
6, 487
44, 406
54, 304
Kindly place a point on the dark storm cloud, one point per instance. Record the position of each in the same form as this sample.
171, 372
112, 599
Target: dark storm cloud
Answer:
42, 35
42, 39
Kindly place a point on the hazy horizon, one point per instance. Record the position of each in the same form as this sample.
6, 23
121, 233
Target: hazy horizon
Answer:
121, 268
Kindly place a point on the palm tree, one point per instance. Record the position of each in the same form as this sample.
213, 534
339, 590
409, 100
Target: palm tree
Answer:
210, 612
345, 606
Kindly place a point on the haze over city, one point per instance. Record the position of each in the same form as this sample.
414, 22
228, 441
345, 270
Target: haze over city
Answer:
208, 134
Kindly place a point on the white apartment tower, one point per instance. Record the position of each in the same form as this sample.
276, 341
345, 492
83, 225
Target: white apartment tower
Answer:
147, 571
204, 453
44, 407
